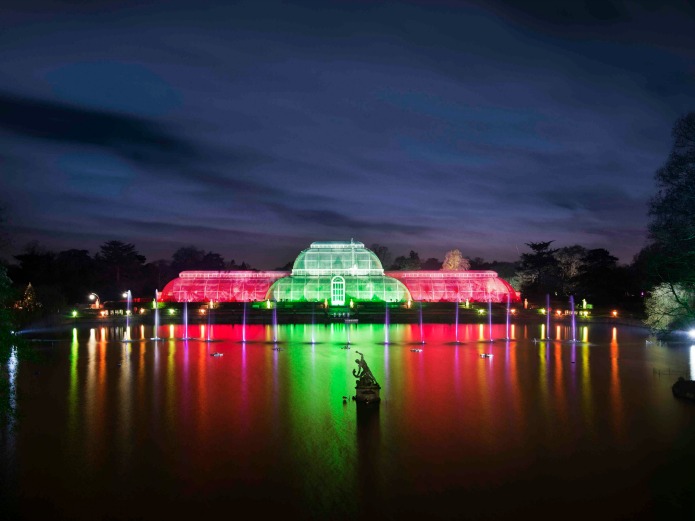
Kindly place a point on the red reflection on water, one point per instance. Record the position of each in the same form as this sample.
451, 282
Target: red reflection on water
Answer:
616, 390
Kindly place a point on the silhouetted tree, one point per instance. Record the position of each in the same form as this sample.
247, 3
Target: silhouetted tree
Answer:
156, 275
192, 258
478, 263
432, 264
120, 266
383, 253
36, 265
600, 280
411, 262
539, 269
213, 262
232, 265
77, 274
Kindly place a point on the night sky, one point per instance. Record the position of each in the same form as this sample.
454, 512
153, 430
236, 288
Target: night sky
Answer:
254, 128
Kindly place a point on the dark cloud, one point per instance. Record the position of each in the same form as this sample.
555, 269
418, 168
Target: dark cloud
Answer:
341, 222
134, 138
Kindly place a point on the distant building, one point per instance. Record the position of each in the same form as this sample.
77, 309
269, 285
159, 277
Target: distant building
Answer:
338, 272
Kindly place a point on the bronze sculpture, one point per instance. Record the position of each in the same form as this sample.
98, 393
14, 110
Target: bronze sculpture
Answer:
366, 385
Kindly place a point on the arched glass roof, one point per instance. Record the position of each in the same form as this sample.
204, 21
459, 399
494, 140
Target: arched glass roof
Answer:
346, 258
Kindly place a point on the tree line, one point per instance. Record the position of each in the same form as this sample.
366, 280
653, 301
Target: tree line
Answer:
56, 280
60, 279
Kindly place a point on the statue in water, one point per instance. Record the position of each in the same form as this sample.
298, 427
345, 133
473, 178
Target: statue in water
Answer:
364, 375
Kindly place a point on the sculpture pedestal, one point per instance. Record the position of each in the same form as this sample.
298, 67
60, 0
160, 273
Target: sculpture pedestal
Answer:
367, 393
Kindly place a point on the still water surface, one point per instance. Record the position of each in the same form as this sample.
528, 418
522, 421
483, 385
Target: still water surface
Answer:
162, 430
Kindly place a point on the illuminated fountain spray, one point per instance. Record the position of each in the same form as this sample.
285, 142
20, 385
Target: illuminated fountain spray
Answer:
386, 322
456, 322
489, 314
208, 331
243, 324
574, 319
275, 322
547, 316
185, 320
156, 317
313, 323
128, 307
422, 329
186, 336
508, 336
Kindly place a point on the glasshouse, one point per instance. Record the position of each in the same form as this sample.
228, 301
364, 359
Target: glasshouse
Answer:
338, 272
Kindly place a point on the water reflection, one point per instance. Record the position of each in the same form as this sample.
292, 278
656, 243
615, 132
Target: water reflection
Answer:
190, 435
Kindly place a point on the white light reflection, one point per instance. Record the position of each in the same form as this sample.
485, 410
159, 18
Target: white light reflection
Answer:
692, 362
12, 364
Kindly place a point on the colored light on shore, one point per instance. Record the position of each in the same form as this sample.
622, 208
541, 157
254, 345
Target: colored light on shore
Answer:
542, 311
74, 313
614, 313
691, 333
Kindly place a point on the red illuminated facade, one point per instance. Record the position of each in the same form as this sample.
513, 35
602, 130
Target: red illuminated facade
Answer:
456, 286
338, 272
254, 286
220, 286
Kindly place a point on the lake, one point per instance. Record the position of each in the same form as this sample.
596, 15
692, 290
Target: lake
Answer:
163, 430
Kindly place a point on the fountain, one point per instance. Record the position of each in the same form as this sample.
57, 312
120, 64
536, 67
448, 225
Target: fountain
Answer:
129, 302
489, 314
574, 320
508, 335
422, 329
185, 322
243, 325
275, 322
547, 317
313, 323
386, 323
156, 336
208, 331
456, 322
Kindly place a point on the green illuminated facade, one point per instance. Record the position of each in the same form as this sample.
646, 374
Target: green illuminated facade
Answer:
338, 272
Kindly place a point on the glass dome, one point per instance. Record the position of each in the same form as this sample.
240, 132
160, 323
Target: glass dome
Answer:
345, 258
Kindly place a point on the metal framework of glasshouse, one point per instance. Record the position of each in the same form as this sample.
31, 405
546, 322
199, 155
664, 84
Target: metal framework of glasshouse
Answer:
338, 272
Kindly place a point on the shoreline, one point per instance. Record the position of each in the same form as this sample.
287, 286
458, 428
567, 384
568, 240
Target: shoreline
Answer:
295, 316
